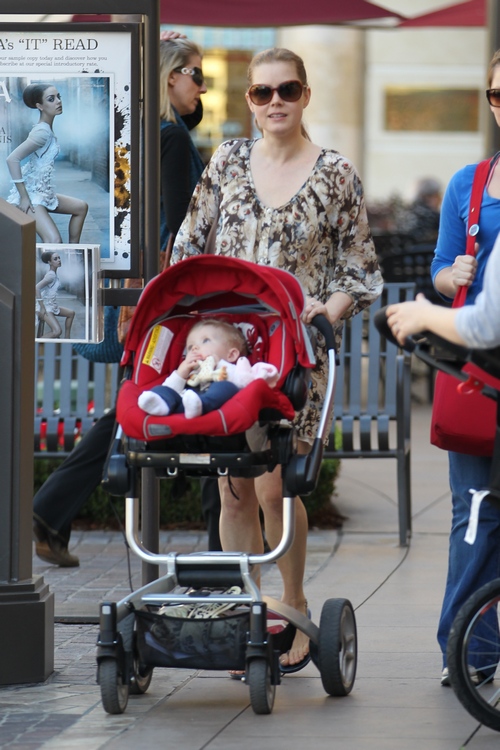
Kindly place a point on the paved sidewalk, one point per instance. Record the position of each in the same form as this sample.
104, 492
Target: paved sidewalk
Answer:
397, 702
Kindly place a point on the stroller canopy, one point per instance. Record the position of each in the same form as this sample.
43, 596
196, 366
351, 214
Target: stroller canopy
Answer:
205, 281
206, 285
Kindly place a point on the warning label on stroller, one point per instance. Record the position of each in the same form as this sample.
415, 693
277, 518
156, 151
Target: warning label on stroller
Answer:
158, 348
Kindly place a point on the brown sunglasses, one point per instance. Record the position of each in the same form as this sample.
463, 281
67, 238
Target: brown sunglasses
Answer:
289, 91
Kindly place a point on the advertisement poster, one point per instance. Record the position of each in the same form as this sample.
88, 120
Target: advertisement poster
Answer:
66, 134
67, 294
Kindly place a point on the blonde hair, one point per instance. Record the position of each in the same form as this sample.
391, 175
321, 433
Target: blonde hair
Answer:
494, 63
280, 54
233, 334
174, 53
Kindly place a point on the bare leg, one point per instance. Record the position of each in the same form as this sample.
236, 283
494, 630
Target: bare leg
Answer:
45, 227
65, 312
292, 564
55, 328
240, 528
78, 210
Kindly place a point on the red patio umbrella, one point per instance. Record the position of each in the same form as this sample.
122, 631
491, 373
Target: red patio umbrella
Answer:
236, 13
252, 13
472, 13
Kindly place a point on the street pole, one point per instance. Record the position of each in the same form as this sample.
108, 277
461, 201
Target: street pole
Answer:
26, 605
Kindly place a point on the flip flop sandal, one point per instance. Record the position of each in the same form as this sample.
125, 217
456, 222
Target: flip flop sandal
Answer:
283, 641
291, 668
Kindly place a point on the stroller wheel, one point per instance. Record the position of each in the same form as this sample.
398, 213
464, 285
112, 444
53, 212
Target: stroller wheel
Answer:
338, 647
262, 692
473, 655
141, 676
141, 679
114, 693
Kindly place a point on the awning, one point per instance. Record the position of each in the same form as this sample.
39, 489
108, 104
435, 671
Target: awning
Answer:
471, 13
237, 13
254, 13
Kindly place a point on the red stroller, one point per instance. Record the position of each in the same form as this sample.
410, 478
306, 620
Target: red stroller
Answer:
150, 627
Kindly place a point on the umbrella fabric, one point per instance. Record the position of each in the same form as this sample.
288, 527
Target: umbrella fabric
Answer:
260, 13
472, 13
283, 13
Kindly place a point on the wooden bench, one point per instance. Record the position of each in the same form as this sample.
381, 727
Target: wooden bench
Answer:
372, 399
71, 393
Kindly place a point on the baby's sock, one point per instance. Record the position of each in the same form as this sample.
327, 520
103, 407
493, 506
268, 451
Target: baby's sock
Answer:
192, 404
153, 404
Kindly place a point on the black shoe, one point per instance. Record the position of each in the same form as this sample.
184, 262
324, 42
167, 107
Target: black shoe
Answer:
51, 549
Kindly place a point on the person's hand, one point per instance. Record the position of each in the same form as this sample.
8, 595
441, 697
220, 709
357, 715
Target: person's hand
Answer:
189, 364
313, 308
406, 318
464, 270
168, 35
26, 206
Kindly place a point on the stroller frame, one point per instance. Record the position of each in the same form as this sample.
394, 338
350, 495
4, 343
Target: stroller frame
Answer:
128, 628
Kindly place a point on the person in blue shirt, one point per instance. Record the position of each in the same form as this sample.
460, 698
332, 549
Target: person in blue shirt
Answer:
469, 566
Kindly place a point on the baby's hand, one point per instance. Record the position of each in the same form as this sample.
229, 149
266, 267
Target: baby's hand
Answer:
189, 365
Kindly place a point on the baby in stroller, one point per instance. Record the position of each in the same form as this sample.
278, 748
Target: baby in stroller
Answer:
210, 374
251, 434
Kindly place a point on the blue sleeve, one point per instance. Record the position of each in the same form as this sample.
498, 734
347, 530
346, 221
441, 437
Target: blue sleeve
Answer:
452, 239
453, 222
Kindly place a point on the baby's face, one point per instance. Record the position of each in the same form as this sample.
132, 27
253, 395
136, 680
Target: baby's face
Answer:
208, 341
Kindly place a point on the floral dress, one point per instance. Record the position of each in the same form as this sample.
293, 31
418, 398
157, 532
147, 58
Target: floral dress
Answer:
321, 236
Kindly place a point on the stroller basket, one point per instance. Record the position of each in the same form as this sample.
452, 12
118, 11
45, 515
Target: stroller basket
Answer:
218, 643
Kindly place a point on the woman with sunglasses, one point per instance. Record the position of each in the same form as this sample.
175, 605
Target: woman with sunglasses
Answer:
283, 201
181, 86
469, 566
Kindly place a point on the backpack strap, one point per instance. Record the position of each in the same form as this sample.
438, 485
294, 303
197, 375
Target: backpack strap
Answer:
483, 171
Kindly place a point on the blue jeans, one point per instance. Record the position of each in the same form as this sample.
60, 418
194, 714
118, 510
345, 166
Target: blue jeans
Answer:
212, 398
470, 566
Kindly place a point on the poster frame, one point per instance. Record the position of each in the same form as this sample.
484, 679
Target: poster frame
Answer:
126, 245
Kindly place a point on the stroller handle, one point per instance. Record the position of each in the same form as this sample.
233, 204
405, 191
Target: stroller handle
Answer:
412, 343
324, 326
444, 355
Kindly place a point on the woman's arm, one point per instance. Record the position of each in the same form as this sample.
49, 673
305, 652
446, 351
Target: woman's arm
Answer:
334, 308
476, 326
451, 268
408, 318
357, 278
461, 273
37, 138
175, 175
47, 279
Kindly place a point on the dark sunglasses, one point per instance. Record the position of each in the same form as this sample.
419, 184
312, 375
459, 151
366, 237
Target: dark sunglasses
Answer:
493, 97
196, 73
289, 91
